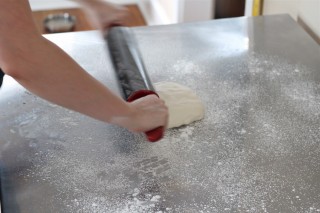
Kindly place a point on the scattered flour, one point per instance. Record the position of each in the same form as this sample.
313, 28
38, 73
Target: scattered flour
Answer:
257, 150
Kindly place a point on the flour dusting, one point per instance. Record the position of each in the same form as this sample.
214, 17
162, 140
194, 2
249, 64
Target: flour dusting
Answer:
249, 154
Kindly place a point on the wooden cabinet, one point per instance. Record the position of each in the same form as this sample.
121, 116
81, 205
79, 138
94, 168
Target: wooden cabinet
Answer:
82, 24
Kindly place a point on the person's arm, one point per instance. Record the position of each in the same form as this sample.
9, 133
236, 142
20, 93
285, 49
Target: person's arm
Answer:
47, 71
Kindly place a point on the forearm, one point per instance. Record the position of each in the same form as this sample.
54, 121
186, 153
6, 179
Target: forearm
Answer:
53, 75
44, 69
47, 71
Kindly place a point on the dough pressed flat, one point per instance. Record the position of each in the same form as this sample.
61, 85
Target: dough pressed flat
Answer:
184, 105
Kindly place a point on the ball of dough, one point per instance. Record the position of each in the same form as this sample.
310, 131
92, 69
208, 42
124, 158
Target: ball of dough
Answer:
184, 105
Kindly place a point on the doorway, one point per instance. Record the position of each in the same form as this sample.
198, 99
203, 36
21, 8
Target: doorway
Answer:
229, 8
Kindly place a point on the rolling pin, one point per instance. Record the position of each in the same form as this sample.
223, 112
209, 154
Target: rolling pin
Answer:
131, 74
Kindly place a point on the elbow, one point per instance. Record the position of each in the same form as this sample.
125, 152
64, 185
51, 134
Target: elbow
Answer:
18, 60
12, 71
9, 63
13, 65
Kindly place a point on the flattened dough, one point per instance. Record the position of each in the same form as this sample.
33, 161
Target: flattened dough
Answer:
184, 105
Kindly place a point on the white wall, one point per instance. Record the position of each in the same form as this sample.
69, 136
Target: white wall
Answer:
248, 8
306, 12
280, 7
309, 13
170, 7
159, 11
64, 4
196, 10
51, 4
176, 11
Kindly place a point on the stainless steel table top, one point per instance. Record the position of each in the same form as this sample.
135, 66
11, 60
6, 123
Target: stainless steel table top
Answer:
257, 150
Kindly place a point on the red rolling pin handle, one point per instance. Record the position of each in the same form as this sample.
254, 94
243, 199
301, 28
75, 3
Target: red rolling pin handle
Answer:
157, 133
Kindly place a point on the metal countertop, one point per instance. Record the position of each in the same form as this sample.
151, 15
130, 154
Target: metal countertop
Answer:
257, 150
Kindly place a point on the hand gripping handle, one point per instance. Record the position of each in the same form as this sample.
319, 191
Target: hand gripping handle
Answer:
157, 133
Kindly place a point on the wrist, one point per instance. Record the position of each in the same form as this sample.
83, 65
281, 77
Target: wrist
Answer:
124, 117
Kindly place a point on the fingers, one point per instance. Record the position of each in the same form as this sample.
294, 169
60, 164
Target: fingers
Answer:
117, 16
161, 109
122, 16
150, 113
104, 15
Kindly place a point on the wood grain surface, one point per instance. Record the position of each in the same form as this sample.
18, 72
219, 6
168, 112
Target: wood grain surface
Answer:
82, 23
